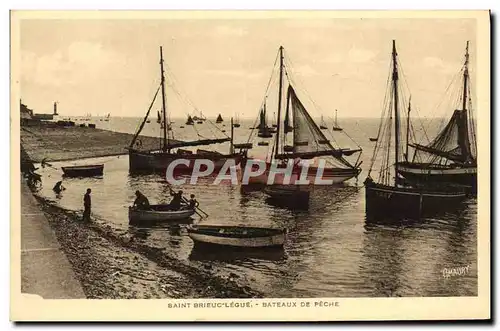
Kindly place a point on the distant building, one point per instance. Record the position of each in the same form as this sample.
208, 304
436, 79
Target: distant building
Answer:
26, 113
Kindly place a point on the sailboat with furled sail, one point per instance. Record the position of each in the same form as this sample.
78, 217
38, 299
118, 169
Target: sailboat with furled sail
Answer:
171, 150
336, 126
450, 156
388, 197
299, 138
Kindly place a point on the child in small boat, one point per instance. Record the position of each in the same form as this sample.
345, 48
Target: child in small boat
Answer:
193, 203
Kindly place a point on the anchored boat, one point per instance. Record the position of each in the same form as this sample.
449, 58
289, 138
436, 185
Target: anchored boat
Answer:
156, 213
159, 159
450, 157
236, 236
92, 170
388, 197
298, 137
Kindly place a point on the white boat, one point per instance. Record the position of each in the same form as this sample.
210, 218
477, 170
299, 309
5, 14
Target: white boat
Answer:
158, 213
236, 236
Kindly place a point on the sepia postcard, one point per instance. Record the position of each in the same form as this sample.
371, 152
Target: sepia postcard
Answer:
250, 165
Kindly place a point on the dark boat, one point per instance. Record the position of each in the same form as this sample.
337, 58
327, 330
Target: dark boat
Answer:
190, 121
236, 236
298, 137
219, 119
158, 160
92, 170
296, 196
322, 125
450, 157
389, 199
236, 123
263, 143
199, 122
158, 213
336, 126
373, 139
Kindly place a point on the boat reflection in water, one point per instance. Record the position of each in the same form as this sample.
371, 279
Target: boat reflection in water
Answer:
234, 254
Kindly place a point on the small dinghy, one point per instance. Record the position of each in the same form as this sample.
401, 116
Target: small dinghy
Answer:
373, 139
236, 236
157, 213
84, 170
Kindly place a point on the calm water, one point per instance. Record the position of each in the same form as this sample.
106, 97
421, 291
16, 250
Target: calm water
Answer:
330, 250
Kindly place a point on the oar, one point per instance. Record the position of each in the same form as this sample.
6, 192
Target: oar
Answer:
186, 201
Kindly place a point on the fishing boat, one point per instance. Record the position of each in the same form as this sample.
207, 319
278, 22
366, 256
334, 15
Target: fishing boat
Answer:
322, 125
373, 139
189, 121
336, 126
298, 137
148, 121
236, 236
219, 119
106, 119
264, 131
159, 159
237, 122
157, 213
450, 157
91, 170
387, 197
199, 119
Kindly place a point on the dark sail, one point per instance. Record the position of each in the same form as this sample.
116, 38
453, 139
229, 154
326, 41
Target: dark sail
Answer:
453, 141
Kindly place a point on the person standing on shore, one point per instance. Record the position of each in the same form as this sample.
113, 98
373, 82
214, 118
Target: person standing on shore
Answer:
86, 206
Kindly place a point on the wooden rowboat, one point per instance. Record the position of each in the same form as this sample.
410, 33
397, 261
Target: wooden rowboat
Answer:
158, 213
236, 236
373, 139
84, 170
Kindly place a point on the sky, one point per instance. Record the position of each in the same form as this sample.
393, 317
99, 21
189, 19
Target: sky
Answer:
223, 66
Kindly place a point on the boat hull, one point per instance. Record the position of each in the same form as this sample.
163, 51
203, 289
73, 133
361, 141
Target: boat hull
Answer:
389, 201
84, 171
242, 237
152, 161
333, 175
135, 215
422, 173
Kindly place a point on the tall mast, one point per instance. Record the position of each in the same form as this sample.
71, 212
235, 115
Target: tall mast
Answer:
336, 118
231, 145
466, 76
396, 110
165, 136
276, 152
408, 128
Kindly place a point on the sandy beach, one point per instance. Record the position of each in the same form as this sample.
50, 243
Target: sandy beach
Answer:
71, 143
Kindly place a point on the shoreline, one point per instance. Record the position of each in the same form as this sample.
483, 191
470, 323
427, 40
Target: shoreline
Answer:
74, 143
108, 262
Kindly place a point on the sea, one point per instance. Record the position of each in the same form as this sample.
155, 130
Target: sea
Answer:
330, 251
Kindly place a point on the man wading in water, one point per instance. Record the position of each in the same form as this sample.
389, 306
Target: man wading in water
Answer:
86, 205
